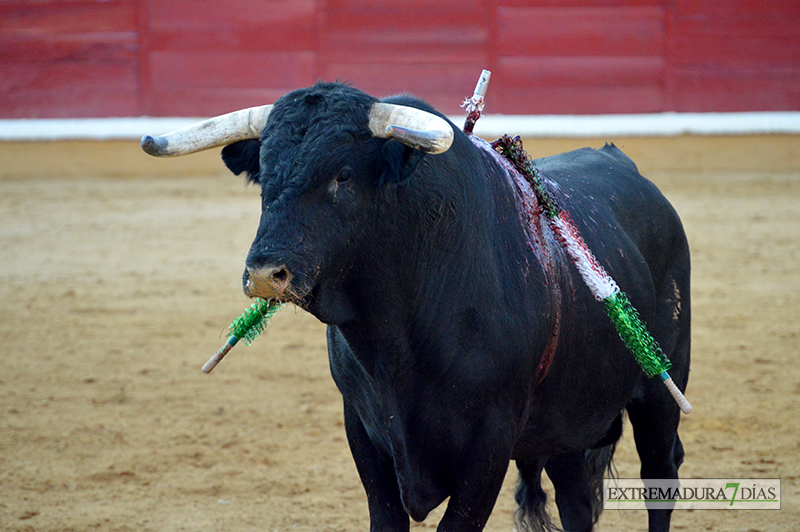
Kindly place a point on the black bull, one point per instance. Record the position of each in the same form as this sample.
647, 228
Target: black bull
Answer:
458, 339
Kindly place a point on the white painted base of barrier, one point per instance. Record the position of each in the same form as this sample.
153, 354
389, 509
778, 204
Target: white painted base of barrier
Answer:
490, 126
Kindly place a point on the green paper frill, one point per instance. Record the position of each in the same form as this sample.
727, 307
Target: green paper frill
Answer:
253, 321
634, 334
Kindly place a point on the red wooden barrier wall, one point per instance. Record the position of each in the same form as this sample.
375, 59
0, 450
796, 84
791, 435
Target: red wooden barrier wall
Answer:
82, 58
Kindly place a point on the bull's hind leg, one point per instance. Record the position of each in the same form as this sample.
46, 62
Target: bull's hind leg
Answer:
653, 413
655, 431
573, 492
654, 416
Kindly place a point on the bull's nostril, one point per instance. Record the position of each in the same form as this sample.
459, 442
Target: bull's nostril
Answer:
281, 275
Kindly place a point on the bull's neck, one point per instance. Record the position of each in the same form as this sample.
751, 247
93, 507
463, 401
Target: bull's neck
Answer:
464, 260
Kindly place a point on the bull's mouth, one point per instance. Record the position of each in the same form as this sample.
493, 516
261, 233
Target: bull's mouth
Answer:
330, 304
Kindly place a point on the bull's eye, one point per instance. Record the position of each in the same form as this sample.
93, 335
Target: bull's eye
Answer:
344, 175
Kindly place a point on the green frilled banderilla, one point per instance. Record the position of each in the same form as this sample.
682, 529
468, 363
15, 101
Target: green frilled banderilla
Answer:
246, 327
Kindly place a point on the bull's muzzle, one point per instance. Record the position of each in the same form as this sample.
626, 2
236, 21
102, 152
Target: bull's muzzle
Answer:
268, 282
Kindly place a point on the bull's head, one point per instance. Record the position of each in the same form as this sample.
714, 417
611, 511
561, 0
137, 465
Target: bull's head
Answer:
322, 159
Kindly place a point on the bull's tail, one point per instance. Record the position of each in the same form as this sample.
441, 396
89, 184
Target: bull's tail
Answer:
531, 515
598, 462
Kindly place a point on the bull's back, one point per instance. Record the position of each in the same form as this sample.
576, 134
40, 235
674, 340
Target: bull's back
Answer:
621, 214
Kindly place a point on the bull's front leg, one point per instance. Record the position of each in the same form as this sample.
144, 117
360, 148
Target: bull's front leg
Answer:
376, 469
483, 469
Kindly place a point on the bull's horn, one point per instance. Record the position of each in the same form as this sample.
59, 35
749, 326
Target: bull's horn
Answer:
416, 128
212, 133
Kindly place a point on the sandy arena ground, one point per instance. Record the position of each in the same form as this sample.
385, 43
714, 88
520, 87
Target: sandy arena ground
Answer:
114, 291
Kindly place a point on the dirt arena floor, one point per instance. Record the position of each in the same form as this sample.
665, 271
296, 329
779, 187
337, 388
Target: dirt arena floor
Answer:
115, 290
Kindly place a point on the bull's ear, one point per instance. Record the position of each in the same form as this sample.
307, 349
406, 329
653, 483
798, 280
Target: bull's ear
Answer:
243, 156
397, 162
